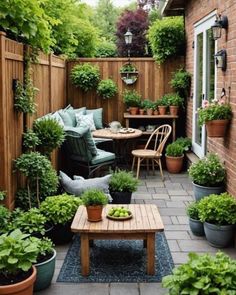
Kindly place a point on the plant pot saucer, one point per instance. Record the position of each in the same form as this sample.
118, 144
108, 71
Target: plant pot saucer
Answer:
93, 220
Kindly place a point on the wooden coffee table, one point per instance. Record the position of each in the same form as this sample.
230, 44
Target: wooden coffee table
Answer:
145, 223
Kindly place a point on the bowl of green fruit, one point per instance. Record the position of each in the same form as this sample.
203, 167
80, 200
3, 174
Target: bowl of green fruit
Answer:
119, 213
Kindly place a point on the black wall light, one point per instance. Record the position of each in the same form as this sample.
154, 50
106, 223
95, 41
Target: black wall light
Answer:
221, 22
221, 59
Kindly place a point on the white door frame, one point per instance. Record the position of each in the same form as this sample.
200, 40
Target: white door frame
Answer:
201, 27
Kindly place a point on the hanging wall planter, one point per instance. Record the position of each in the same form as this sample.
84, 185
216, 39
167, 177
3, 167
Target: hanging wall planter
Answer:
129, 73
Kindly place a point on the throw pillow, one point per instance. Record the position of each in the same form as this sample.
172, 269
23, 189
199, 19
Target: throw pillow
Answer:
85, 120
83, 110
78, 186
97, 117
58, 118
67, 118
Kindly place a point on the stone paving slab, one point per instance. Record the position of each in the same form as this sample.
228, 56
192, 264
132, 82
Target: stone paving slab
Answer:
151, 289
124, 288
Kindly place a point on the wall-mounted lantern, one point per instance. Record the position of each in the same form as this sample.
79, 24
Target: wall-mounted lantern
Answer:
221, 59
221, 22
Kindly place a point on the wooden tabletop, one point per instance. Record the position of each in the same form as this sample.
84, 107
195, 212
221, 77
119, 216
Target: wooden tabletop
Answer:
106, 133
146, 218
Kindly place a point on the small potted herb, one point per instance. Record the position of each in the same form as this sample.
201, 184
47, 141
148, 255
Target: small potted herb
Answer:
174, 103
94, 200
142, 107
17, 273
195, 224
149, 106
107, 89
218, 212
121, 186
202, 275
162, 105
60, 211
132, 99
185, 142
208, 176
174, 157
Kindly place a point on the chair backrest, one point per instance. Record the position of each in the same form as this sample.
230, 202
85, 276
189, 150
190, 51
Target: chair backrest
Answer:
159, 136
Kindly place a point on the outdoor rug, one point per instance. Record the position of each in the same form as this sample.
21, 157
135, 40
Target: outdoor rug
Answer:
117, 261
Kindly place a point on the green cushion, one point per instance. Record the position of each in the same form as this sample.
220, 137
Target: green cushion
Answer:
97, 117
102, 156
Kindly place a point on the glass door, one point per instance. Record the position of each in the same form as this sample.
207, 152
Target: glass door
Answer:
204, 78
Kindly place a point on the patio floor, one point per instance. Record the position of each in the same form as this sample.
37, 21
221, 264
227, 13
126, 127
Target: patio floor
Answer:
171, 197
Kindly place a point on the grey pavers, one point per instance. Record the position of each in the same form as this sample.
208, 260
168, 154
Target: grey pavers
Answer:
172, 211
154, 184
159, 203
173, 245
124, 288
164, 196
174, 220
141, 196
177, 192
160, 190
171, 185
195, 245
177, 235
166, 220
177, 227
183, 219
179, 257
175, 204
151, 289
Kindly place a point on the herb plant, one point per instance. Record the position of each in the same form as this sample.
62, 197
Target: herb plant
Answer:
180, 81
185, 142
193, 210
148, 104
123, 181
85, 76
60, 209
45, 248
107, 89
203, 275
174, 99
24, 98
218, 209
174, 150
131, 98
208, 171
94, 197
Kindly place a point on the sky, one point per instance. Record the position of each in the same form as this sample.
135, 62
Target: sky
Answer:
116, 2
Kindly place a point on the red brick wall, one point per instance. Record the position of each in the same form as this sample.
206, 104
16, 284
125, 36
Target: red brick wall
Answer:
195, 11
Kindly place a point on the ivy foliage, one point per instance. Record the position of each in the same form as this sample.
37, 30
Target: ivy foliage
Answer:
166, 38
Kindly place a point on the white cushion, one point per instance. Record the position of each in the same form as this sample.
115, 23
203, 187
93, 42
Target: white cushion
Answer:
58, 118
85, 120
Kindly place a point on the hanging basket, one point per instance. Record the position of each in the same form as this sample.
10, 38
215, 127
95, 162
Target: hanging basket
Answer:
216, 128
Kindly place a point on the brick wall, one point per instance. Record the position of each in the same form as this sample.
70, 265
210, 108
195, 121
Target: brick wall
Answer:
195, 11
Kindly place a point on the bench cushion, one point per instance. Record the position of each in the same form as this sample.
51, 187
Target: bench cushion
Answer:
102, 156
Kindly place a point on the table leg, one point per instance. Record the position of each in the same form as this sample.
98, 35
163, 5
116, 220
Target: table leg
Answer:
174, 129
84, 254
151, 253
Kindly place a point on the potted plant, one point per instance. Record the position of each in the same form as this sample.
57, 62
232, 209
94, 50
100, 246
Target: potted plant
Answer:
129, 73
202, 275
162, 105
5, 216
60, 211
218, 212
149, 106
215, 115
18, 253
181, 81
185, 142
107, 89
45, 263
195, 223
208, 176
174, 157
132, 99
85, 76
174, 103
94, 200
142, 107
121, 186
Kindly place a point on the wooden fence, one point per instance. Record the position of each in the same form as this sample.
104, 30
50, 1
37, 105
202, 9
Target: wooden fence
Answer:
49, 76
152, 83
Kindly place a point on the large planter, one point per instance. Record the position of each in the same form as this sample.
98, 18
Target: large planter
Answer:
196, 227
219, 236
61, 234
216, 128
22, 288
45, 271
121, 197
200, 191
174, 110
174, 164
94, 213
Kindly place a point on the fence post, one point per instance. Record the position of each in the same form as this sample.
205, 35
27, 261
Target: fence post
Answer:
3, 137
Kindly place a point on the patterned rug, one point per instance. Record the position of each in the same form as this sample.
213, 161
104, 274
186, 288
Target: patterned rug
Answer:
117, 261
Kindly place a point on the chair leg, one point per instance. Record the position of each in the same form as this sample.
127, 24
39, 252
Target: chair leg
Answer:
133, 163
153, 167
138, 167
160, 166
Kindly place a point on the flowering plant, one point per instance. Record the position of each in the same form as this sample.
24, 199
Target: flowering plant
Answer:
217, 109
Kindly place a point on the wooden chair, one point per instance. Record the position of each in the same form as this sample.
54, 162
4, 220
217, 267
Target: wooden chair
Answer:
153, 149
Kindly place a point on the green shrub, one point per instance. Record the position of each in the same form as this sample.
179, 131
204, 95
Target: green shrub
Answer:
4, 219
131, 98
163, 101
203, 275
193, 210
94, 197
174, 150
30, 140
208, 171
180, 81
85, 76
166, 38
173, 99
60, 209
106, 49
2, 195
218, 209
50, 134
148, 104
107, 89
185, 142
123, 181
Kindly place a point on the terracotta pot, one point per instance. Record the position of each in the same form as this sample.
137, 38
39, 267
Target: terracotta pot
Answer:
133, 110
162, 110
216, 128
94, 213
174, 164
141, 111
174, 110
149, 112
22, 288
155, 112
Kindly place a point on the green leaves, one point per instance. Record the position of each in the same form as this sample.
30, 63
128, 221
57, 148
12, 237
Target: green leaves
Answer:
131, 98
107, 89
193, 210
123, 181
174, 150
94, 197
214, 112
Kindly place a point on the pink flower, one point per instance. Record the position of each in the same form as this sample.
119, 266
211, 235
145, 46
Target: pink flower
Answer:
205, 103
222, 101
